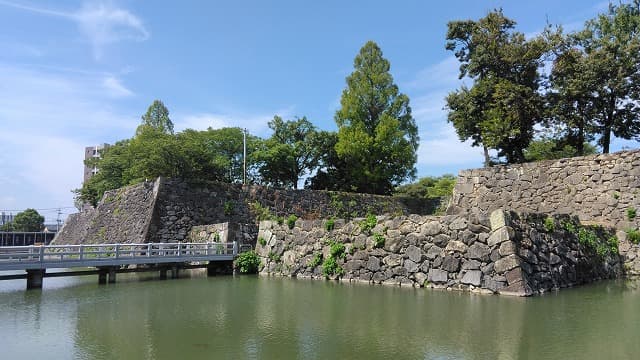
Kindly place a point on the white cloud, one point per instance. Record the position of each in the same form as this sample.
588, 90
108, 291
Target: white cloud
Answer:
101, 23
115, 88
443, 74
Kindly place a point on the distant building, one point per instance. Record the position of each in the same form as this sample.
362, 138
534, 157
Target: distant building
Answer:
89, 153
5, 218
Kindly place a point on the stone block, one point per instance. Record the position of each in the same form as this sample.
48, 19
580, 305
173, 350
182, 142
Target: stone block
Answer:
472, 277
414, 253
420, 278
479, 251
502, 234
507, 248
498, 218
456, 246
506, 263
451, 264
393, 260
373, 263
438, 276
410, 266
433, 252
353, 265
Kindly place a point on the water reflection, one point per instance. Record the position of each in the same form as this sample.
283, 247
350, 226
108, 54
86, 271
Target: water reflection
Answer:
271, 318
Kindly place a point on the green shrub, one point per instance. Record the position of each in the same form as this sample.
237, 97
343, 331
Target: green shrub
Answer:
262, 241
330, 267
280, 220
274, 257
315, 261
291, 221
633, 235
261, 212
378, 240
631, 213
368, 223
329, 224
248, 262
616, 195
228, 208
569, 226
337, 250
549, 224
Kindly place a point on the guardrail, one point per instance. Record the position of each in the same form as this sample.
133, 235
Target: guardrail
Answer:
65, 256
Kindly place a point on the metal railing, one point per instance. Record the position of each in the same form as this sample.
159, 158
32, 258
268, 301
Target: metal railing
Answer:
60, 256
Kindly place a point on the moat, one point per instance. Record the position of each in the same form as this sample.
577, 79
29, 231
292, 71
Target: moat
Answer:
251, 317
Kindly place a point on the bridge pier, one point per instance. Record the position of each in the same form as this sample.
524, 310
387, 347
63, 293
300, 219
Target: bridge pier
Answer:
102, 276
112, 275
163, 274
34, 278
175, 271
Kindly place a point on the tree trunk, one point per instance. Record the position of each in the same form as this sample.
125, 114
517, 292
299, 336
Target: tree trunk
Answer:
487, 160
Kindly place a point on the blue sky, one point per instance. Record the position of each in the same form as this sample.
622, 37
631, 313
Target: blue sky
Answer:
79, 73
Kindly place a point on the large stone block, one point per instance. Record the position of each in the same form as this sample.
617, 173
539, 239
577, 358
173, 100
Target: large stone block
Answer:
502, 234
498, 218
506, 263
451, 264
472, 277
438, 276
414, 253
479, 252
456, 246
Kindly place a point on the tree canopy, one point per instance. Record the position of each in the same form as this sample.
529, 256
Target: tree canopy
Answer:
377, 136
29, 220
157, 117
291, 152
502, 106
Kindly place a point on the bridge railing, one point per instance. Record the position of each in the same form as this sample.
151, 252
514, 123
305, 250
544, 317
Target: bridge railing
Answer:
55, 253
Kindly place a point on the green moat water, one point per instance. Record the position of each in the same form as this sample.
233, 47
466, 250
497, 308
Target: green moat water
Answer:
250, 317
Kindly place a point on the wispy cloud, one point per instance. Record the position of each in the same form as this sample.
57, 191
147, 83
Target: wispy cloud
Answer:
440, 147
101, 23
115, 88
47, 118
254, 123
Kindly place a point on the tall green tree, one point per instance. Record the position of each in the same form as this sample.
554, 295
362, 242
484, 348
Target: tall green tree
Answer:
595, 80
502, 106
157, 116
377, 135
28, 220
291, 152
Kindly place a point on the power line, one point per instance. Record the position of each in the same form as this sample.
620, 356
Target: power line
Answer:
43, 209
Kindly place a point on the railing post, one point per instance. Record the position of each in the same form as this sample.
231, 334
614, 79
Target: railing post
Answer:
179, 249
41, 254
149, 250
81, 251
208, 248
117, 251
235, 248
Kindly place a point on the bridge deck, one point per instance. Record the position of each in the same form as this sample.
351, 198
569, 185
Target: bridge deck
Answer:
109, 255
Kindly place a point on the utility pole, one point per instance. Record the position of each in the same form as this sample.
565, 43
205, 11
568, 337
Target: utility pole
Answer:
244, 157
58, 220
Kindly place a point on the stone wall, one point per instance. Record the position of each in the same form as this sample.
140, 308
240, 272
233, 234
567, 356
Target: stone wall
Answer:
505, 253
165, 210
182, 205
243, 234
598, 188
123, 216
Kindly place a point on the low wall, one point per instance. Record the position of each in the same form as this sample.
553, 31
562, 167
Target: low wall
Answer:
597, 188
504, 253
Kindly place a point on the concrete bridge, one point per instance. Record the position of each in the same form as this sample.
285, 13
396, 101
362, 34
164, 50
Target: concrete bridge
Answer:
106, 260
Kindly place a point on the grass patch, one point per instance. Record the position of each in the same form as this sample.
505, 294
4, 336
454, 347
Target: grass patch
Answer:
248, 262
291, 221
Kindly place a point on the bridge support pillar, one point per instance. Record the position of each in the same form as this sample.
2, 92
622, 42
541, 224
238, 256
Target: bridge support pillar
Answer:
34, 278
174, 271
102, 277
112, 275
163, 274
